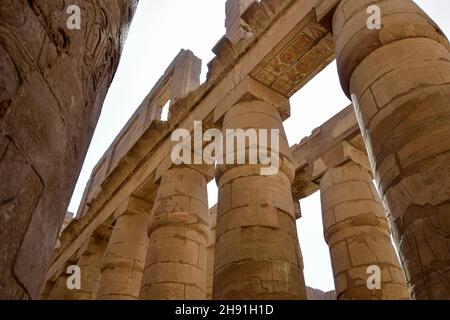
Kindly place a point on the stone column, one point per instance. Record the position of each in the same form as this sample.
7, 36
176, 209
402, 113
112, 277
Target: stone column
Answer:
53, 83
47, 291
123, 264
399, 79
60, 290
175, 268
358, 235
90, 263
211, 247
257, 250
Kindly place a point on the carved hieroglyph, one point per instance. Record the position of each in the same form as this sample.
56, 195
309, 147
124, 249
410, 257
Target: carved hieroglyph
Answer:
52, 85
297, 60
399, 77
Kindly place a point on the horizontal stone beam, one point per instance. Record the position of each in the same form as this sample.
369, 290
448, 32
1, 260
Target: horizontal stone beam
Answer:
334, 141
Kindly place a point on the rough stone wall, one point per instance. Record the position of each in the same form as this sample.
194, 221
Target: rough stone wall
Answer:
316, 294
52, 85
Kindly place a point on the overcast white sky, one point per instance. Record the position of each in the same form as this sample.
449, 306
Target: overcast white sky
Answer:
160, 29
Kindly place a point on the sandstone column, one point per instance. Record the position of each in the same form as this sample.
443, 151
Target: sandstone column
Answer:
60, 290
48, 288
399, 79
358, 234
123, 264
90, 263
233, 22
52, 86
176, 262
257, 252
210, 254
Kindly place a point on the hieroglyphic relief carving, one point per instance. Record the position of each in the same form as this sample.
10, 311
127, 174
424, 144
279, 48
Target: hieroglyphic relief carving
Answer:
297, 60
57, 78
291, 80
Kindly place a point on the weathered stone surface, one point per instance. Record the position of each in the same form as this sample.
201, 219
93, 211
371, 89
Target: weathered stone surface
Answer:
53, 82
175, 267
90, 266
257, 254
357, 232
233, 22
89, 261
135, 172
399, 78
210, 253
334, 140
316, 294
60, 290
123, 263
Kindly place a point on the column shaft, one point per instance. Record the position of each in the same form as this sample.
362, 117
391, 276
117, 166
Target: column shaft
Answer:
60, 290
211, 248
124, 259
90, 263
46, 292
176, 262
399, 79
358, 234
257, 252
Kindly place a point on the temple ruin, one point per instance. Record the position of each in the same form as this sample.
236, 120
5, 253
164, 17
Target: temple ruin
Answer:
144, 230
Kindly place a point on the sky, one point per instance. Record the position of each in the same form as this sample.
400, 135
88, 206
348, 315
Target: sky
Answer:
158, 32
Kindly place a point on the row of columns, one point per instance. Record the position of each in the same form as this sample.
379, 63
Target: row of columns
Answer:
399, 78
256, 253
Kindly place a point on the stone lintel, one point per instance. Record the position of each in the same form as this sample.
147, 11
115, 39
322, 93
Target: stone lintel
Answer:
233, 22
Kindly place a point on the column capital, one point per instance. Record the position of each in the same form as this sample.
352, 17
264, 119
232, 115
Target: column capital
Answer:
400, 20
102, 232
123, 261
250, 89
205, 169
336, 156
133, 205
